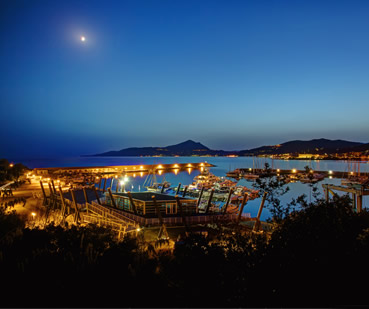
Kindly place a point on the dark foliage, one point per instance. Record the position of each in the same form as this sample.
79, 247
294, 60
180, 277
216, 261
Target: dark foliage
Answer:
315, 257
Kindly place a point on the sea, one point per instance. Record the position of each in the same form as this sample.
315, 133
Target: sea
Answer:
221, 166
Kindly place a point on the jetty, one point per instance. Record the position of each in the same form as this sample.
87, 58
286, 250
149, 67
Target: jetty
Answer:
119, 169
244, 172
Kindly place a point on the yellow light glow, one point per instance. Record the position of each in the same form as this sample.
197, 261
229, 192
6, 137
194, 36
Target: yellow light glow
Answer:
189, 165
141, 174
138, 229
134, 175
160, 166
294, 170
141, 167
352, 173
201, 164
33, 214
278, 170
116, 176
160, 172
189, 170
11, 165
330, 172
176, 171
250, 168
175, 165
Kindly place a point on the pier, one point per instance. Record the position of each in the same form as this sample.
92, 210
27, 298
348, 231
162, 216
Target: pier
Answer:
242, 172
120, 169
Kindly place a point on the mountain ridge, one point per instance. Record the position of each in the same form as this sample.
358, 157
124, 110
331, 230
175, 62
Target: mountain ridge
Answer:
192, 148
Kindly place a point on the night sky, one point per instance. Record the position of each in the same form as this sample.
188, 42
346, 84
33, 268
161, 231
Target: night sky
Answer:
229, 74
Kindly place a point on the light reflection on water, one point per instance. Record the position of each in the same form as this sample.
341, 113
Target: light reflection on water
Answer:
222, 166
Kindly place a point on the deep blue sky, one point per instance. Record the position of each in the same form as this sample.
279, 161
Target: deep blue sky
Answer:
230, 74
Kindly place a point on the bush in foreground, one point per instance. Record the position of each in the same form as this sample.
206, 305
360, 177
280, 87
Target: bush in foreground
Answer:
315, 257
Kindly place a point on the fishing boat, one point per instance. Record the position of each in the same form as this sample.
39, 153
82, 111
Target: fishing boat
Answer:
314, 178
159, 187
152, 185
224, 185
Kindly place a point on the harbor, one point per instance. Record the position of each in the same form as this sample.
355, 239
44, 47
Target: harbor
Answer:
106, 195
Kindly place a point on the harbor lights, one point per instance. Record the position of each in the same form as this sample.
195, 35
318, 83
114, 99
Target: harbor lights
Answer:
278, 170
176, 170
123, 183
330, 172
294, 170
175, 165
160, 166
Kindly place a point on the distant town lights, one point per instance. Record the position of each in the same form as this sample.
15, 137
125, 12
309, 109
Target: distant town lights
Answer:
294, 170
330, 172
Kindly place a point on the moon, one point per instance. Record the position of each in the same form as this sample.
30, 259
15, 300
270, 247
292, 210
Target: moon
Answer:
83, 38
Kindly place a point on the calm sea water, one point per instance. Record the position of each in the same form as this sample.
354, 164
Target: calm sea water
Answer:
222, 166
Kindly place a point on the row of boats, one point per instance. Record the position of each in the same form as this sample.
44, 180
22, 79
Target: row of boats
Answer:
252, 174
214, 187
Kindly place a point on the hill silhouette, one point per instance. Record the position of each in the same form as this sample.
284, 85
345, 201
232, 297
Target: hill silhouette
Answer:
192, 148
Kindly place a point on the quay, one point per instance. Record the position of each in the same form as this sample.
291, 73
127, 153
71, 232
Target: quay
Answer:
242, 172
118, 169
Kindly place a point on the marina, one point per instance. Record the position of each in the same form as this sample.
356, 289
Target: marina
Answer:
220, 167
104, 194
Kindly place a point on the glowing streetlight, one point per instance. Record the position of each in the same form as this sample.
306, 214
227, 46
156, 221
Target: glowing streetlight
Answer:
33, 214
